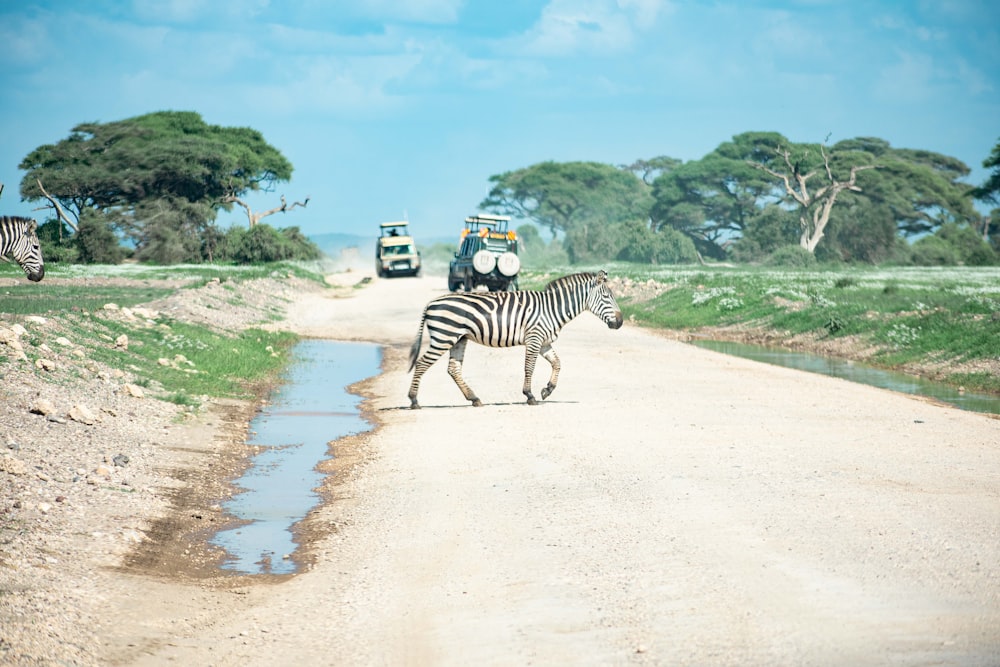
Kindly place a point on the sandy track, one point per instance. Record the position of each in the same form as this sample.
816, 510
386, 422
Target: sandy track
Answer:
667, 505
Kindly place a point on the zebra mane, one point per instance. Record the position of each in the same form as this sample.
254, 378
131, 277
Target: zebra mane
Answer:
575, 279
14, 219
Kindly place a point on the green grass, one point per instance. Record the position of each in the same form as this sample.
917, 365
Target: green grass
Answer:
41, 298
213, 363
910, 316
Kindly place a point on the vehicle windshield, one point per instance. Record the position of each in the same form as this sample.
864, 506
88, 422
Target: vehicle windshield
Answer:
398, 250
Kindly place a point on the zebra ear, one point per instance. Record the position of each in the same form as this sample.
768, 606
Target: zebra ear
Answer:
602, 277
32, 226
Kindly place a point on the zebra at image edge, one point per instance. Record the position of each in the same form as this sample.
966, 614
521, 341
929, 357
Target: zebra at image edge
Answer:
19, 241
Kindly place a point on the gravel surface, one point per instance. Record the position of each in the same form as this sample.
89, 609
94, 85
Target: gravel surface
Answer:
666, 506
92, 471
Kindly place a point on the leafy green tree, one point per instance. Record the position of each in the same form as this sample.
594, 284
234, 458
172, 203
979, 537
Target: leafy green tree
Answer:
580, 199
640, 243
713, 200
773, 227
165, 169
718, 200
921, 189
263, 243
57, 243
989, 193
96, 242
860, 230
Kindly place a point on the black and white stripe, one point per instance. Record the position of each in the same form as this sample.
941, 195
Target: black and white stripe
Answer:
506, 319
19, 241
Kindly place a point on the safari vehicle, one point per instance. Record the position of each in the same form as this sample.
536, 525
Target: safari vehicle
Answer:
487, 255
395, 252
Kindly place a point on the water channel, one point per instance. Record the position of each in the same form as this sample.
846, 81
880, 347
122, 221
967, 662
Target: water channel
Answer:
857, 372
311, 409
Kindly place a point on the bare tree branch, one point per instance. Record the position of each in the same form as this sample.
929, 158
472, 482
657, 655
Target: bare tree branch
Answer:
59, 210
255, 218
820, 203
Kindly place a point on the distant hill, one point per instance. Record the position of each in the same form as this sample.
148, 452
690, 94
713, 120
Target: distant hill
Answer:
334, 243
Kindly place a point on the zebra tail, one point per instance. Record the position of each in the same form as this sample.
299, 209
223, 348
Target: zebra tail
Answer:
415, 348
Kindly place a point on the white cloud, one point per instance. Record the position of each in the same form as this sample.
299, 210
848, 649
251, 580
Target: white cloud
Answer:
568, 27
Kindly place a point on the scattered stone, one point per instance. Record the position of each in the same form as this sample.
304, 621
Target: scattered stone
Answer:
45, 364
122, 341
42, 406
103, 470
111, 306
13, 466
35, 319
134, 390
55, 419
44, 508
65, 342
120, 460
83, 414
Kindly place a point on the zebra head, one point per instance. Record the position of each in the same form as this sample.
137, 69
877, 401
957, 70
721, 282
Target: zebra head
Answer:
601, 302
30, 257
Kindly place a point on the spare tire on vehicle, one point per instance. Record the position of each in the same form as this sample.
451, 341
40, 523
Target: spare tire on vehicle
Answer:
509, 264
484, 261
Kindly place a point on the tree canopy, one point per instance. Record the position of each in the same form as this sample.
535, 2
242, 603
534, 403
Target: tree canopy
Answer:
157, 178
583, 200
725, 197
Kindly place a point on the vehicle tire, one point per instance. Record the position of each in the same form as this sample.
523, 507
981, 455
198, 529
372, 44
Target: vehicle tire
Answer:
509, 264
484, 262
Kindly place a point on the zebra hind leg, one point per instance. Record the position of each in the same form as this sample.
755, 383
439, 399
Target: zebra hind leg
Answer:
553, 359
419, 368
455, 358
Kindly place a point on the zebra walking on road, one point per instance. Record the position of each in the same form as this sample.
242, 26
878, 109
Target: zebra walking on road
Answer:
506, 319
19, 241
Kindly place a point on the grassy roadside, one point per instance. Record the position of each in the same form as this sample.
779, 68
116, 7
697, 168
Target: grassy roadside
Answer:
177, 361
940, 322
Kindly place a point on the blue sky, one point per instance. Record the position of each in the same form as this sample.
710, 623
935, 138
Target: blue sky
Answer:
389, 108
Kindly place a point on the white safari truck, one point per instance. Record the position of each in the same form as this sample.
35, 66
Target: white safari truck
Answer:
396, 253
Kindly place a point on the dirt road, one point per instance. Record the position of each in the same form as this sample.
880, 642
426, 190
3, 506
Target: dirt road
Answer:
666, 506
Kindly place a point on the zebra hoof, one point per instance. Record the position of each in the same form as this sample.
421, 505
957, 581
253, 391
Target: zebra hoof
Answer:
476, 403
547, 391
414, 405
532, 401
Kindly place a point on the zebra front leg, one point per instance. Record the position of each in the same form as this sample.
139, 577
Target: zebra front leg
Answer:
530, 357
455, 358
553, 359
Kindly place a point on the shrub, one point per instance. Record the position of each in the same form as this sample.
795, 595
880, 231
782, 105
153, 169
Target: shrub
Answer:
793, 256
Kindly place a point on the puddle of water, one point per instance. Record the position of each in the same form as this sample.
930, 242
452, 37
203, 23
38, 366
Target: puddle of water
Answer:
855, 372
311, 409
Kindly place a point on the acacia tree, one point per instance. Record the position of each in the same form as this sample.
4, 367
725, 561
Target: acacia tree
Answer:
154, 177
583, 200
713, 200
815, 206
989, 191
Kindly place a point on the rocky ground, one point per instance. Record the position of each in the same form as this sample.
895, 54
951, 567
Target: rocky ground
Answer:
91, 468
